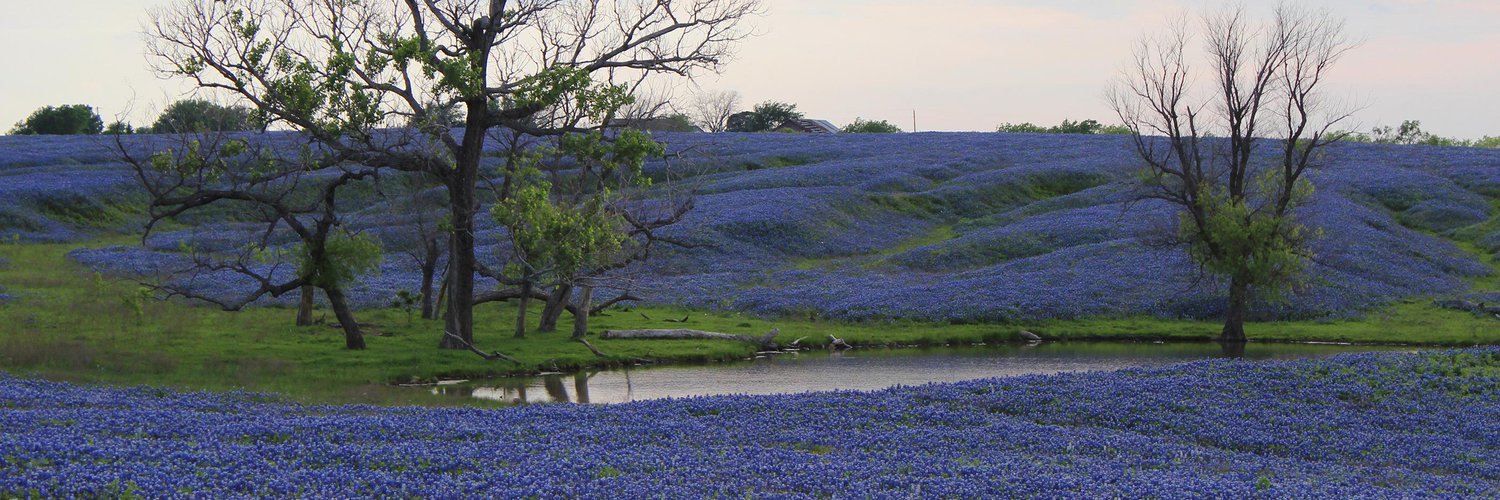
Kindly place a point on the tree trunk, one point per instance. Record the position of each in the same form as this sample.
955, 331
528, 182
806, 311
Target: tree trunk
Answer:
556, 303
461, 261
442, 295
353, 338
429, 269
581, 314
463, 204
521, 314
305, 306
1234, 315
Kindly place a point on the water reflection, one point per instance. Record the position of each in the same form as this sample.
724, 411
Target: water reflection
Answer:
865, 369
1232, 349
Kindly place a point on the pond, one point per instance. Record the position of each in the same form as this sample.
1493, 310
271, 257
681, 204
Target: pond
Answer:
865, 369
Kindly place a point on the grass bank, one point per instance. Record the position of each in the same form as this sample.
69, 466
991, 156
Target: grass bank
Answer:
69, 324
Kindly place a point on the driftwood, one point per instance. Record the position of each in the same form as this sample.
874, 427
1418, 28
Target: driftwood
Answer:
768, 340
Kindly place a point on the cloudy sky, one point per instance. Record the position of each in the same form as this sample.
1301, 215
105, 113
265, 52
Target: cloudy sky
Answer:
959, 64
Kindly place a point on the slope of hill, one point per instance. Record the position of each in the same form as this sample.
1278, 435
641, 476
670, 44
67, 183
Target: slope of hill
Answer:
932, 226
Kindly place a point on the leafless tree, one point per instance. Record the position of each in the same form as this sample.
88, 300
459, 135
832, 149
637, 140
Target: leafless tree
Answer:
649, 103
341, 72
712, 109
1204, 147
421, 238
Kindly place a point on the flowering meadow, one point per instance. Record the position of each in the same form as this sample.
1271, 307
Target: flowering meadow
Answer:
1356, 425
930, 226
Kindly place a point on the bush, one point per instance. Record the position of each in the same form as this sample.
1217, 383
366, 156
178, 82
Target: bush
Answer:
862, 126
71, 119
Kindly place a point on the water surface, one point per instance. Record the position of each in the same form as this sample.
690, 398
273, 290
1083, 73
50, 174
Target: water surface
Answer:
866, 369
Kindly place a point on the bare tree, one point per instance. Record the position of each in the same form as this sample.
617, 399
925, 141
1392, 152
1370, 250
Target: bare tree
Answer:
648, 103
422, 237
712, 109
1206, 149
341, 72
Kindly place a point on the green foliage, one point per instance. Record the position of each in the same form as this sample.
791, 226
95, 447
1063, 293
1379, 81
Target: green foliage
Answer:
193, 161
764, 117
407, 301
562, 236
557, 84
1410, 132
119, 128
676, 122
1021, 128
862, 126
328, 94
555, 234
198, 115
344, 258
1238, 241
607, 472
71, 119
90, 210
1066, 127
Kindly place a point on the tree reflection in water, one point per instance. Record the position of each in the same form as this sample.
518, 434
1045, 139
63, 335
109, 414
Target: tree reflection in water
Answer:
867, 369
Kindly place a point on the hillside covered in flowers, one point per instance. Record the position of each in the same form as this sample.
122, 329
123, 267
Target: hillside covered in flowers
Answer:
933, 226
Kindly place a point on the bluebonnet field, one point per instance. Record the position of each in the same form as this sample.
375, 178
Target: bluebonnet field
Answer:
937, 226
1363, 425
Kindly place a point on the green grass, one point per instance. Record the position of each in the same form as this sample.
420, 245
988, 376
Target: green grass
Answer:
67, 324
872, 260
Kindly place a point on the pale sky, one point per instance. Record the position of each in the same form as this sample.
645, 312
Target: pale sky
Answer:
960, 64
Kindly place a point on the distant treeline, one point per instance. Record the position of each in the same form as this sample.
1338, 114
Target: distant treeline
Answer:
1409, 132
1066, 127
184, 116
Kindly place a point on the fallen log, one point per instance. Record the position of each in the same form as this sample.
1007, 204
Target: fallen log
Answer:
768, 340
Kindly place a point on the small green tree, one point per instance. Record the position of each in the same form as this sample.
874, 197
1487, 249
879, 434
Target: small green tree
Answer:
560, 233
71, 119
198, 115
1071, 127
677, 122
765, 117
863, 126
119, 128
1021, 128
